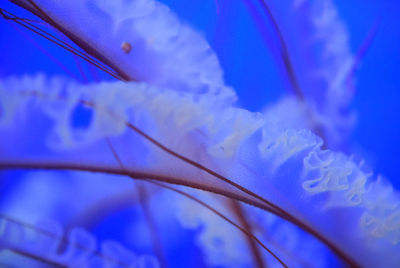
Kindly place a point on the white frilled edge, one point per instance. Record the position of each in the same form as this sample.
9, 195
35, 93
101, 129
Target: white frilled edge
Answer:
163, 51
45, 238
329, 191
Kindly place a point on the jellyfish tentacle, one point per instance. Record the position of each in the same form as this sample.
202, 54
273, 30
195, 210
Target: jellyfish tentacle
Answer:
175, 56
68, 141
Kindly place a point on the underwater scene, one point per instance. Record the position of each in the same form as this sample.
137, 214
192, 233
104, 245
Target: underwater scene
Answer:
199, 133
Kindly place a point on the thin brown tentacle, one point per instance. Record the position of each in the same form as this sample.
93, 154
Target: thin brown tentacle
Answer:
266, 204
240, 214
143, 200
26, 24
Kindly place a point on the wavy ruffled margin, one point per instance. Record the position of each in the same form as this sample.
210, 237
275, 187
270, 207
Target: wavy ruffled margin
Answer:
44, 240
326, 190
163, 51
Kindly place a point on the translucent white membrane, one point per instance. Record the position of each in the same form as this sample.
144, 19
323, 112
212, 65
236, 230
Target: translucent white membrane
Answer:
329, 191
225, 246
319, 49
143, 39
44, 240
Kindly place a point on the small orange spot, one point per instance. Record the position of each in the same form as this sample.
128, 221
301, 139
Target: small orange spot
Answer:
126, 47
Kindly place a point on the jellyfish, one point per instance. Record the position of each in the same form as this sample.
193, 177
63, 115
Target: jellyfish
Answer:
164, 133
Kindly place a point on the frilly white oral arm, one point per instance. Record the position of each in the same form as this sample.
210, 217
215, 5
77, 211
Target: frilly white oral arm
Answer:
319, 50
42, 242
322, 188
142, 40
224, 246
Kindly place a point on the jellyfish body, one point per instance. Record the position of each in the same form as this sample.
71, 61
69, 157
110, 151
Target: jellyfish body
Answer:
179, 125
